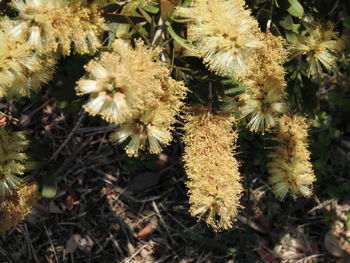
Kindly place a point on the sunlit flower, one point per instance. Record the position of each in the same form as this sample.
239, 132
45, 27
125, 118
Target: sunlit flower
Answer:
12, 157
264, 105
224, 34
290, 166
127, 84
51, 25
321, 45
212, 170
122, 82
21, 69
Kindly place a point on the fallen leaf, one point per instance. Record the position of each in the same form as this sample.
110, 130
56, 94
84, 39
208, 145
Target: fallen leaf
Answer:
148, 229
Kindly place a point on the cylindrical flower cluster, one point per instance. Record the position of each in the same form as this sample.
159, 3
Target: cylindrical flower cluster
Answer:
214, 186
290, 166
264, 99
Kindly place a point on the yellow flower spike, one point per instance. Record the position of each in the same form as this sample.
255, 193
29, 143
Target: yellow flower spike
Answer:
290, 166
212, 170
12, 157
17, 206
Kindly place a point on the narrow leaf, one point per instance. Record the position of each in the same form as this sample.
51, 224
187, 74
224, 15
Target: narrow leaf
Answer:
295, 9
181, 41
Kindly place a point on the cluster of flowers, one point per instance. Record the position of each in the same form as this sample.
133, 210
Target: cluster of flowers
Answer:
30, 45
228, 39
130, 86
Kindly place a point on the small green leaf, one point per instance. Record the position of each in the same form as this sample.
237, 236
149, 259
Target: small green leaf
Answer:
181, 41
291, 37
150, 9
287, 22
295, 9
49, 189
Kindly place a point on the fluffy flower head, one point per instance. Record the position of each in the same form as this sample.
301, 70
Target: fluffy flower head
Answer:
21, 69
223, 32
51, 24
131, 87
123, 82
321, 46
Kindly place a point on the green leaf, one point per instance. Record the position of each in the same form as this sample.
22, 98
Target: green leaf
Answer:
181, 41
287, 22
49, 189
150, 9
291, 37
295, 9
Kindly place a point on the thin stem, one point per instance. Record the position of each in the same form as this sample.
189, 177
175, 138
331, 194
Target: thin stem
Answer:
268, 25
137, 30
298, 70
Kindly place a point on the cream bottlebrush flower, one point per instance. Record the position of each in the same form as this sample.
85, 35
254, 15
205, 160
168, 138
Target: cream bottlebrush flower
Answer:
321, 46
151, 129
34, 80
125, 83
51, 24
16, 207
290, 166
264, 104
224, 34
12, 157
16, 61
212, 170
265, 97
